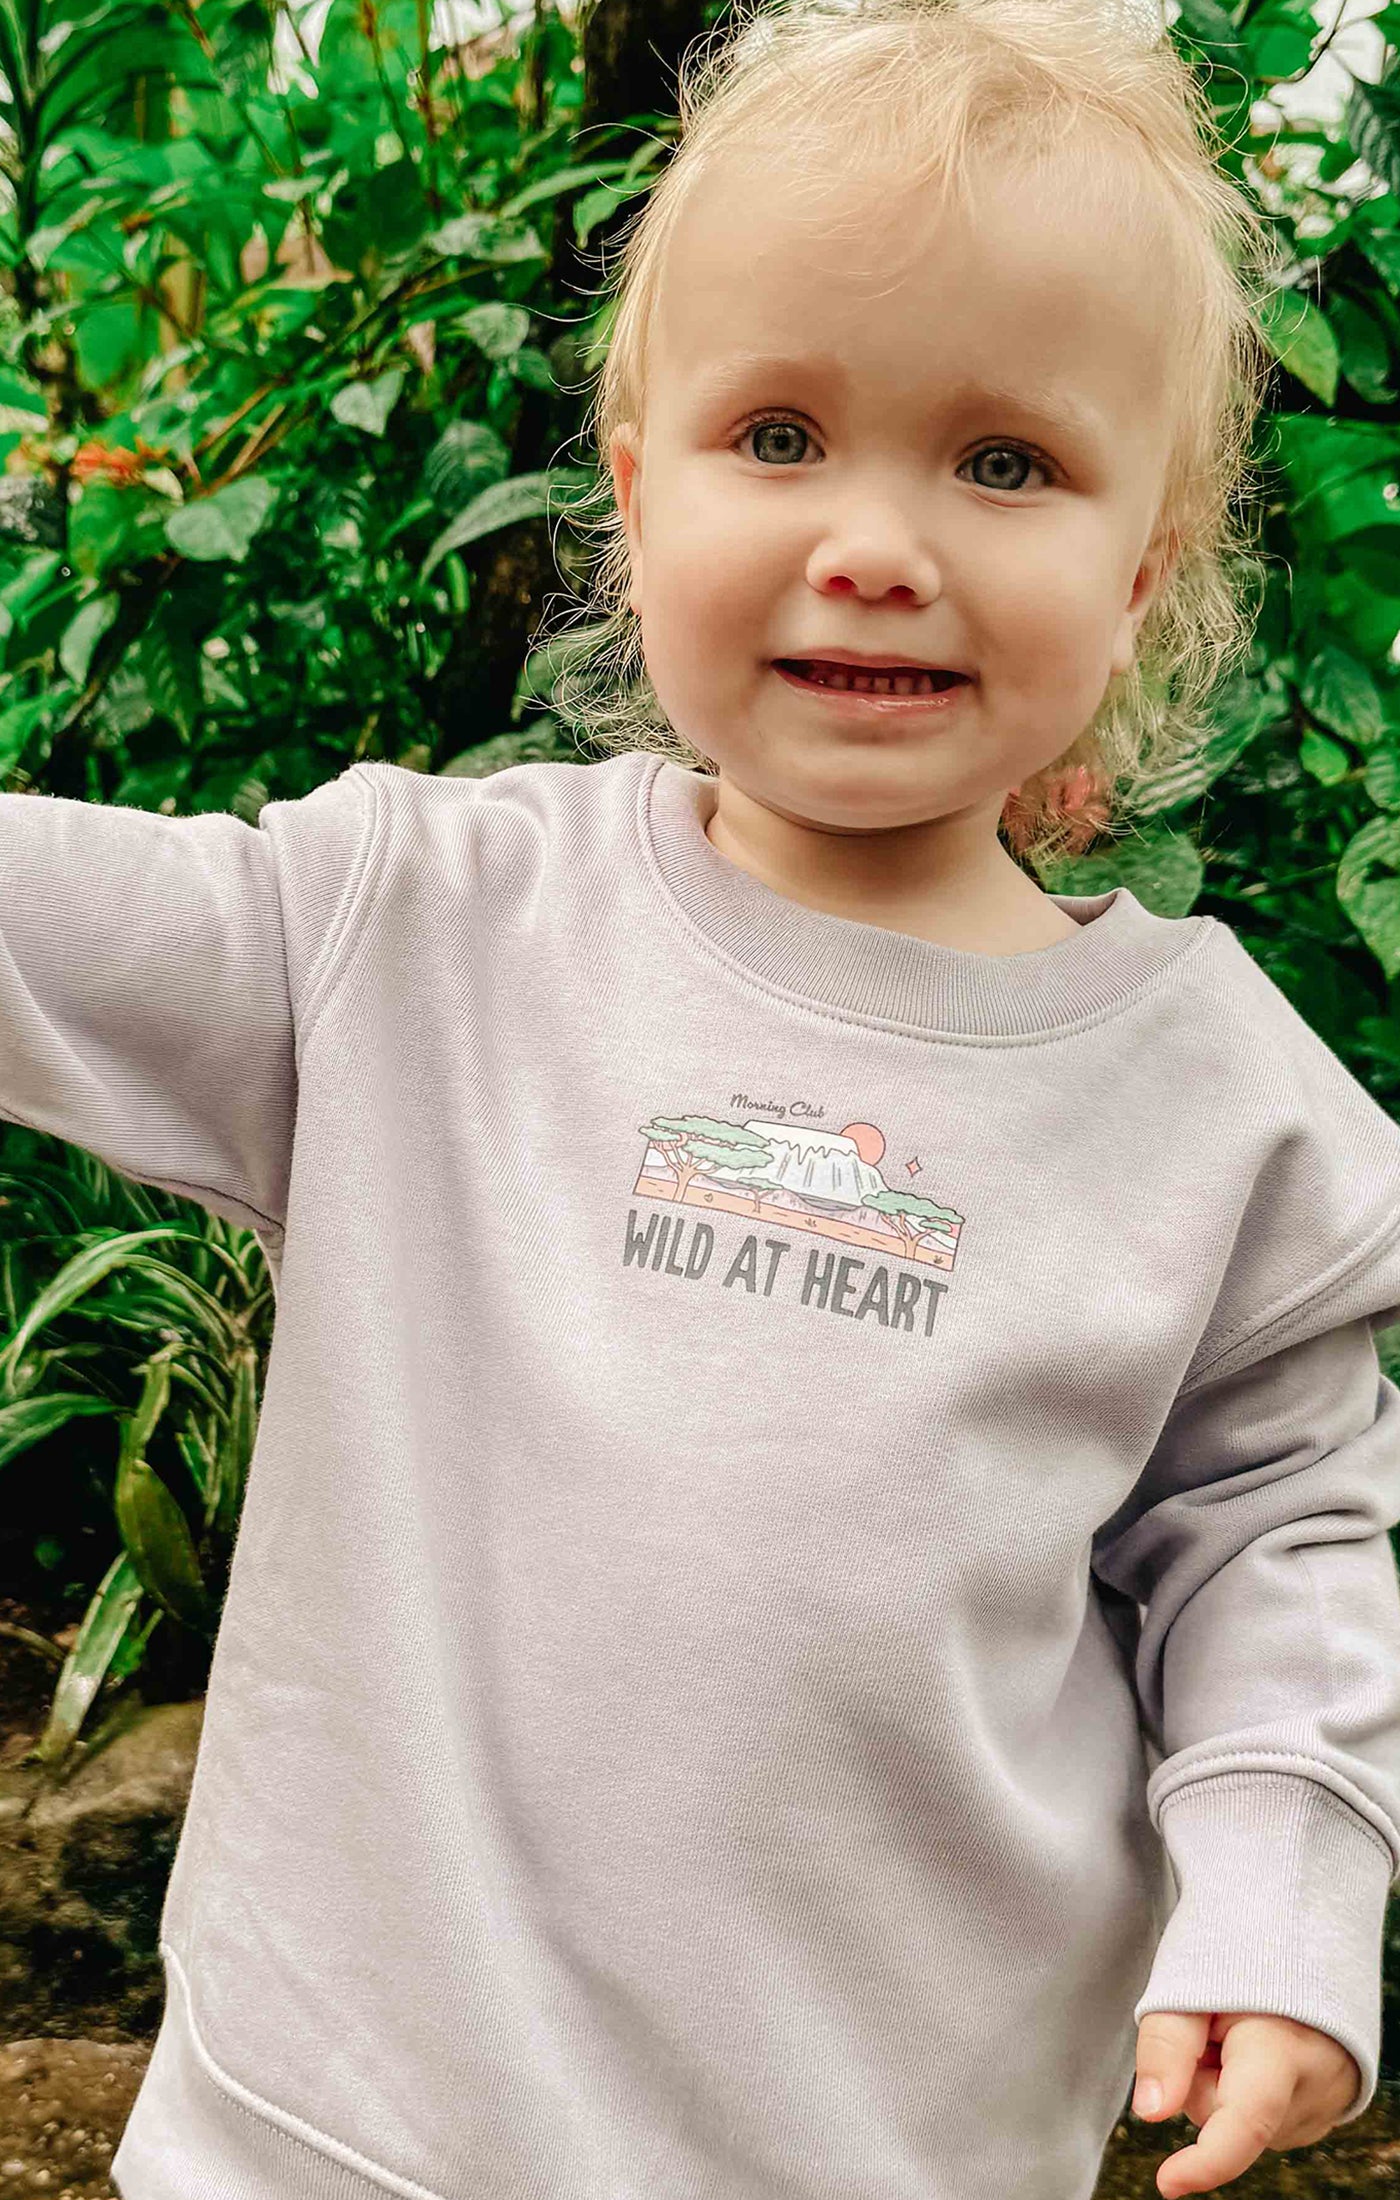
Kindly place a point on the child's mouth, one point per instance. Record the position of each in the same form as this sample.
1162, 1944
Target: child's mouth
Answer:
890, 686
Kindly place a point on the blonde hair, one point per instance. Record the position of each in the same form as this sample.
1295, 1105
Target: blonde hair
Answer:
914, 91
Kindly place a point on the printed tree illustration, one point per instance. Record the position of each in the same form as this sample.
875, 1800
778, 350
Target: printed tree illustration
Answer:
901, 1206
693, 1142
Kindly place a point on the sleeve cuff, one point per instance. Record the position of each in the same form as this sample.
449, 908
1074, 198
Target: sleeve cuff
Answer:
1280, 1911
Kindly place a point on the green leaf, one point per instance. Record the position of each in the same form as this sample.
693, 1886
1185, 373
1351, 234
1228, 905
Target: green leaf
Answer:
487, 239
19, 721
523, 496
1279, 41
31, 1419
497, 328
222, 525
1372, 122
152, 1524
562, 179
1301, 338
368, 405
77, 1276
1212, 27
1243, 707
531, 367
1382, 248
544, 741
1163, 870
1382, 776
147, 786
466, 458
99, 1638
377, 217
1373, 904
1339, 690
82, 634
1326, 759
1365, 350
236, 1451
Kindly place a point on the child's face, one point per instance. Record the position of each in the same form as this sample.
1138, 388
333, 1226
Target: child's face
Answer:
877, 518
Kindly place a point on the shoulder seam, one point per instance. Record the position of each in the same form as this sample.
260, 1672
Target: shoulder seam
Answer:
331, 957
1378, 1242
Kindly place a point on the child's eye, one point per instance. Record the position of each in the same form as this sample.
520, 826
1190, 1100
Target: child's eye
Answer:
771, 420
791, 427
1015, 450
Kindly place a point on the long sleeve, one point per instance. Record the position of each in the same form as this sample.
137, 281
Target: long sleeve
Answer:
1267, 1673
153, 974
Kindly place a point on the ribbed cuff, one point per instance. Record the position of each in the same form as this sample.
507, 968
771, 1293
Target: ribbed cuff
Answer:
1280, 1910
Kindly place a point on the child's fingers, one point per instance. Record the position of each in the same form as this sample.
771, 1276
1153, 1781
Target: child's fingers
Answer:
1200, 2101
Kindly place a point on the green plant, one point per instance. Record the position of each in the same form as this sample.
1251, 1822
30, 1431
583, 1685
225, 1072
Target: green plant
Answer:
113, 1307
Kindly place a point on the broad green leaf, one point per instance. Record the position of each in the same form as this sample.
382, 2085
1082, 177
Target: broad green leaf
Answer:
152, 1524
1243, 707
1326, 759
1371, 556
377, 217
109, 339
1162, 870
1373, 904
82, 634
19, 721
1382, 774
368, 405
498, 329
487, 239
1339, 690
147, 786
1213, 27
523, 496
600, 205
1279, 41
544, 741
1365, 349
1382, 248
222, 525
1301, 337
1372, 122
467, 457
169, 663
530, 366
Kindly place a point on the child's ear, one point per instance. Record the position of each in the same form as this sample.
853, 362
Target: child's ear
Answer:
622, 459
1158, 563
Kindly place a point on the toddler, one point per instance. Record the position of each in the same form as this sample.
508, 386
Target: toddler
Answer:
814, 1591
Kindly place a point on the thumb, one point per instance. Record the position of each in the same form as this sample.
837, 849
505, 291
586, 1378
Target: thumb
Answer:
1170, 2044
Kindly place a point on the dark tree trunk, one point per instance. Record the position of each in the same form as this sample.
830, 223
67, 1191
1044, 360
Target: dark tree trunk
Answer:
631, 53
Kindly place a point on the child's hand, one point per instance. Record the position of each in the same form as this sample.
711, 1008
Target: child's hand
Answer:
1271, 2083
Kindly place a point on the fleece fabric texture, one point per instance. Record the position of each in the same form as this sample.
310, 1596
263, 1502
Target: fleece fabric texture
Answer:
818, 1538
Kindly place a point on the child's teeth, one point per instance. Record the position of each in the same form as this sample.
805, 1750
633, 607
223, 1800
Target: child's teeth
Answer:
873, 683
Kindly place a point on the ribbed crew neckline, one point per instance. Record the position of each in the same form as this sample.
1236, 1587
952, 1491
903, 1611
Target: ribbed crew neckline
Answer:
866, 970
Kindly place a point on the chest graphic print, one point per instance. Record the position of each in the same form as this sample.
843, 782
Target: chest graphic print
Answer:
819, 1183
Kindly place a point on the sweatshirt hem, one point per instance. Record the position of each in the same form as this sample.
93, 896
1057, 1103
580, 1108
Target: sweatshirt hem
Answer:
194, 2129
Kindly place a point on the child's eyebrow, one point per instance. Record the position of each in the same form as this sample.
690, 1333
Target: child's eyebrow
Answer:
1058, 408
